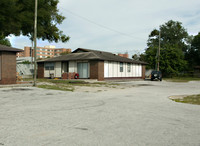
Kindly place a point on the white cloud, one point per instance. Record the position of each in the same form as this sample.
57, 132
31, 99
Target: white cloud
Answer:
134, 18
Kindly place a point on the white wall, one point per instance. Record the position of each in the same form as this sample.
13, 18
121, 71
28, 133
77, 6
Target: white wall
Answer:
112, 69
72, 66
106, 68
58, 69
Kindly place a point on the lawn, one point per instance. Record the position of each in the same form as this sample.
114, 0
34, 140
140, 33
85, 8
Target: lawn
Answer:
182, 79
192, 99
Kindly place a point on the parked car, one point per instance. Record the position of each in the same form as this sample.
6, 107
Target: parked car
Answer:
156, 75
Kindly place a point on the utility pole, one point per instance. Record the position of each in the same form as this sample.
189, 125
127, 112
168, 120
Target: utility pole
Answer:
158, 63
35, 43
31, 52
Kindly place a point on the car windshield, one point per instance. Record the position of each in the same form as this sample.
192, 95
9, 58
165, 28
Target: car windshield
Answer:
156, 72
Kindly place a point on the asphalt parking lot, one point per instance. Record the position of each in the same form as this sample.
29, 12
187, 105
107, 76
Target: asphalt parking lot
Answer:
139, 114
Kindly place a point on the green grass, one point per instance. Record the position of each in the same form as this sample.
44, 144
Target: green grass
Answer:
182, 79
56, 87
192, 99
67, 81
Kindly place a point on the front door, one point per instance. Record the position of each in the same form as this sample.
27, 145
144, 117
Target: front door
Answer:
82, 68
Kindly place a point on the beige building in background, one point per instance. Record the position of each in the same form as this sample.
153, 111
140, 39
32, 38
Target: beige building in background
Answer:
43, 52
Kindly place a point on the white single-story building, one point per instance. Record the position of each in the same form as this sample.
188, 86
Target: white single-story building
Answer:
92, 64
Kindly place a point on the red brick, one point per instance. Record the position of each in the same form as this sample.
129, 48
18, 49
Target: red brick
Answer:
8, 68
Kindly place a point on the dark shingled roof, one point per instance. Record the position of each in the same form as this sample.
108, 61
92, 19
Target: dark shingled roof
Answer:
10, 49
87, 54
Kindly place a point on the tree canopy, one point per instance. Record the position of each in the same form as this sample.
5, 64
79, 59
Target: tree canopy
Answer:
173, 43
4, 41
193, 53
17, 18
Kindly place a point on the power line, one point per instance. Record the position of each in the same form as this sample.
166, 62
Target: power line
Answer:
100, 25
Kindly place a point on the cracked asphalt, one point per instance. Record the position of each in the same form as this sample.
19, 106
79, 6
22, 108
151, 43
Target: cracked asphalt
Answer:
139, 114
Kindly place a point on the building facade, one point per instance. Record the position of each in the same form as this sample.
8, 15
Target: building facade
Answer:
92, 64
8, 64
43, 52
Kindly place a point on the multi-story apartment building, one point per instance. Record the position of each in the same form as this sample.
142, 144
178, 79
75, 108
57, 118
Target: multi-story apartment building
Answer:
43, 52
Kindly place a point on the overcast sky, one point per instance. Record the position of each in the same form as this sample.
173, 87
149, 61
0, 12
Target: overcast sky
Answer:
118, 26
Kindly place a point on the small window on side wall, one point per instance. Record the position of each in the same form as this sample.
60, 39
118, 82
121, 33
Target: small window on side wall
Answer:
128, 67
121, 67
49, 66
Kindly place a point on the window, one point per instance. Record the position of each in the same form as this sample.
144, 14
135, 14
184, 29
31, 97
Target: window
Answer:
49, 66
128, 67
121, 67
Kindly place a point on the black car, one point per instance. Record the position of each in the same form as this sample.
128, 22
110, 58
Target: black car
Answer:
156, 75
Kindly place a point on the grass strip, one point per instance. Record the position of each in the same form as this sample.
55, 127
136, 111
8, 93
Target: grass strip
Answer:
56, 87
182, 79
192, 99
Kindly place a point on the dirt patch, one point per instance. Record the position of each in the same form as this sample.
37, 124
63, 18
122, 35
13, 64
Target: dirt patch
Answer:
140, 85
177, 97
17, 89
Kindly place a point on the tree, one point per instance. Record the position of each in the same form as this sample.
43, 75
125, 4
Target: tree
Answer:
193, 53
26, 62
196, 47
172, 61
4, 41
17, 17
173, 47
9, 18
136, 57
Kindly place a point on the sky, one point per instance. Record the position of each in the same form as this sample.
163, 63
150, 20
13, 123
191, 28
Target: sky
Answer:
118, 26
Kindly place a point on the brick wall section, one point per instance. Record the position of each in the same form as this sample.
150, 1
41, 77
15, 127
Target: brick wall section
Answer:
97, 70
27, 51
101, 70
143, 71
8, 68
123, 55
40, 70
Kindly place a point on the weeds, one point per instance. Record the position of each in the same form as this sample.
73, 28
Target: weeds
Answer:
69, 85
182, 79
192, 99
56, 87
